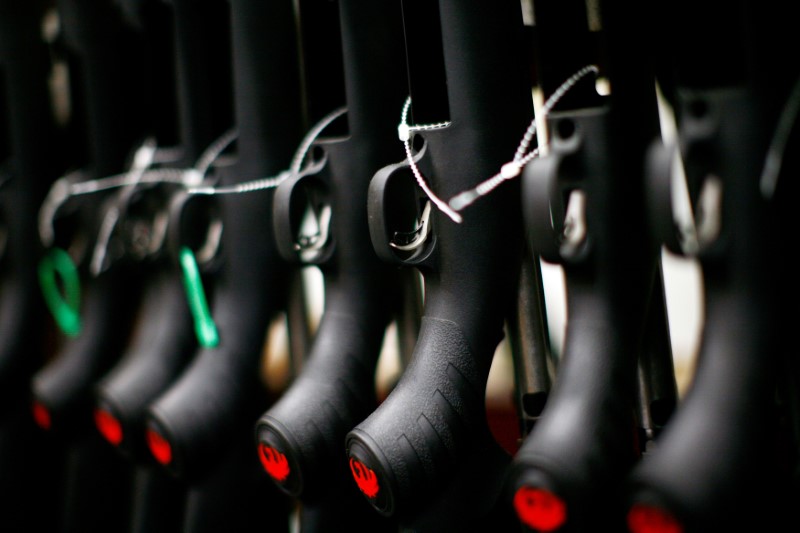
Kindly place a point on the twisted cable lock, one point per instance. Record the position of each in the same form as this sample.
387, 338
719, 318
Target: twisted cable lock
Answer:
510, 170
66, 309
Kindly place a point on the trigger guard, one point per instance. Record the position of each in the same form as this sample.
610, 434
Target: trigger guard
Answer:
659, 197
285, 219
378, 201
540, 188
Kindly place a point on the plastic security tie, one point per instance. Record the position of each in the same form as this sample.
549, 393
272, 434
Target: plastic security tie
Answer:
65, 307
204, 327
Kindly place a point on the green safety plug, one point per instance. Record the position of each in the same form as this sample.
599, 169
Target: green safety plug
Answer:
65, 307
204, 326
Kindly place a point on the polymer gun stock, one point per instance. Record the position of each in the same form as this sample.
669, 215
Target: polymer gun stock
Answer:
300, 438
584, 209
148, 226
29, 131
104, 55
427, 456
720, 463
200, 428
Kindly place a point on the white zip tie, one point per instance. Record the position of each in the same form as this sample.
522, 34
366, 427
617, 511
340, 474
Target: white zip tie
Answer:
214, 150
508, 171
404, 132
142, 159
513, 168
295, 168
191, 177
168, 175
145, 156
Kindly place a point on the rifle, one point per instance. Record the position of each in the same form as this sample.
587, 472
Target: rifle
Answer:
200, 427
104, 54
734, 111
147, 228
29, 126
300, 436
583, 204
426, 455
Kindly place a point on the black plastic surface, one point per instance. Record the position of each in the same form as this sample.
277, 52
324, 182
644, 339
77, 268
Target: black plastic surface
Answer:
105, 57
428, 443
721, 461
583, 444
220, 392
336, 388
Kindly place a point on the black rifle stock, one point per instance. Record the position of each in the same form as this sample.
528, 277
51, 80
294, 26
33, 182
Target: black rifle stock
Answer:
711, 470
200, 428
300, 437
106, 56
426, 455
164, 339
98, 45
584, 209
27, 466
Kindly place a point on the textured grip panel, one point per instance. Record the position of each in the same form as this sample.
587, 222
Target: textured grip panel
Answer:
585, 435
334, 392
65, 385
425, 426
160, 349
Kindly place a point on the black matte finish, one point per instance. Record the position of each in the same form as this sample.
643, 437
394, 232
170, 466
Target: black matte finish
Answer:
220, 394
28, 469
25, 177
583, 444
96, 492
719, 464
164, 339
95, 496
336, 388
206, 415
428, 444
158, 351
202, 52
109, 300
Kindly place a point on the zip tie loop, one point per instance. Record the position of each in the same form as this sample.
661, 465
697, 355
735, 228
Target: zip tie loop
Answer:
214, 150
514, 168
250, 186
140, 173
405, 131
295, 168
116, 181
65, 307
204, 326
142, 160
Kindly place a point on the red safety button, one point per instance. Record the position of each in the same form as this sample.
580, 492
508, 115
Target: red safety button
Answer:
540, 509
274, 462
650, 519
109, 427
365, 478
41, 415
159, 447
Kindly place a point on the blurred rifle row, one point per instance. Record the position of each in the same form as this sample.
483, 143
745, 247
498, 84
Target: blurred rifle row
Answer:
173, 172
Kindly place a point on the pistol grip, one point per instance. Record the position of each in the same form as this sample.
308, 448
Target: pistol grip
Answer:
427, 425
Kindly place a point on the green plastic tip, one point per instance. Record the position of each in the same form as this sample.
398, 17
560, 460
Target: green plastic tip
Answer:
65, 307
204, 327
